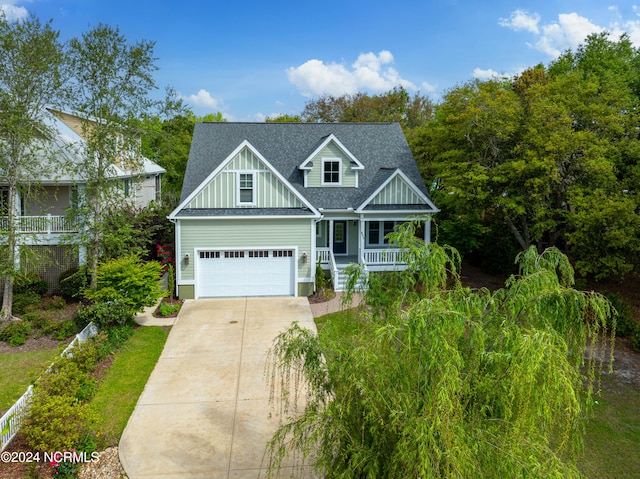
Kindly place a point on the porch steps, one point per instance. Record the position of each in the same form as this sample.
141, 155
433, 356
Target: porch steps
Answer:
341, 280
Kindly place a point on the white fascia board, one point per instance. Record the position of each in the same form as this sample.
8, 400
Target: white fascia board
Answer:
345, 150
253, 217
223, 165
411, 184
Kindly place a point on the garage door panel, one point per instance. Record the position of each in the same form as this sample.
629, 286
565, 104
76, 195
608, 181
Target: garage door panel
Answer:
245, 273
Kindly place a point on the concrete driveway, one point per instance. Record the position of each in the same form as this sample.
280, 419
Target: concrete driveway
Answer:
204, 412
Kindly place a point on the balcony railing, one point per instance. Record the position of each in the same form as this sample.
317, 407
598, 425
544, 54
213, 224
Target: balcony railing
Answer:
388, 256
48, 224
384, 256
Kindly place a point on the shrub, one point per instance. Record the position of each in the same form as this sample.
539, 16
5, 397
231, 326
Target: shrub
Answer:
25, 301
128, 280
59, 418
167, 309
29, 282
64, 329
41, 320
16, 333
105, 314
56, 422
54, 302
73, 282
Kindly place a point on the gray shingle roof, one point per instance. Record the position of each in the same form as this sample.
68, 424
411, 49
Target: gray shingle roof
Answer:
380, 147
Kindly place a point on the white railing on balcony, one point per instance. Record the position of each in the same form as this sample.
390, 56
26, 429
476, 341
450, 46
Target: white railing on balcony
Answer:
40, 224
384, 256
323, 254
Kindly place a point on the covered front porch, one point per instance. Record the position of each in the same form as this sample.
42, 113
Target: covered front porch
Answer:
344, 241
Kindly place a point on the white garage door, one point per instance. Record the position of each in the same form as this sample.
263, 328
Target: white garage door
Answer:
241, 272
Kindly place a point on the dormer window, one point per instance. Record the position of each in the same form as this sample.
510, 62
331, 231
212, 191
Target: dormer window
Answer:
331, 171
246, 185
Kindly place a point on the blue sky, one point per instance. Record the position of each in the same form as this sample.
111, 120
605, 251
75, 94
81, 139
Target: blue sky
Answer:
253, 59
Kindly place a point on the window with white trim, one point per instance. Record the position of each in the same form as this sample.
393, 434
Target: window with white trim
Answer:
331, 171
246, 188
378, 230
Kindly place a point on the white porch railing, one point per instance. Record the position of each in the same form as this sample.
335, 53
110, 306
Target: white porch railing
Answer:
40, 224
11, 421
384, 256
333, 268
323, 254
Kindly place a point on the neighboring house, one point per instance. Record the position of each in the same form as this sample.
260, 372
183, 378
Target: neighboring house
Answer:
263, 202
44, 223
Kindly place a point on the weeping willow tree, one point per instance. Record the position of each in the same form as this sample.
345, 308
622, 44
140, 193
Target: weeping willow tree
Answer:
442, 381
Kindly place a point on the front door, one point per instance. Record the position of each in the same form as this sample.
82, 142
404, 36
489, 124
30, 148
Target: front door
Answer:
339, 237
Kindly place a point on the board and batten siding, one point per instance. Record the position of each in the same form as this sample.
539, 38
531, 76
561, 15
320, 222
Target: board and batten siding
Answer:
397, 192
217, 234
331, 150
222, 190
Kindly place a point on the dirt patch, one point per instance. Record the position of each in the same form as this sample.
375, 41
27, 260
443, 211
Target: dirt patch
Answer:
32, 344
322, 297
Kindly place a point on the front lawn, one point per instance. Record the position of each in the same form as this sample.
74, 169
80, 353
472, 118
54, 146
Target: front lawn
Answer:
19, 370
613, 433
124, 381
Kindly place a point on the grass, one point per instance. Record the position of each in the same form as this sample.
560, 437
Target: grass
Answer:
19, 370
612, 434
124, 381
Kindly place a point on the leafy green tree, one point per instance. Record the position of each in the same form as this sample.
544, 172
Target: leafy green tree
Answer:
284, 119
167, 142
435, 380
112, 83
525, 156
394, 106
31, 78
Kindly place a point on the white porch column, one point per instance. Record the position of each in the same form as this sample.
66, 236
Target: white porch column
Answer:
361, 233
427, 230
331, 235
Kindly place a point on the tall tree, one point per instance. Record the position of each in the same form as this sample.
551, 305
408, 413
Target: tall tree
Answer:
167, 142
440, 381
31, 60
532, 153
111, 88
393, 106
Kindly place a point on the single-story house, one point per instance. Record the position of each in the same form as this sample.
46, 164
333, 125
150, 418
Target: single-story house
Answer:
263, 203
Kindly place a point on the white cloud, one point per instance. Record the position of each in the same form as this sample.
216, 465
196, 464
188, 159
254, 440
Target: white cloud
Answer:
202, 98
630, 27
521, 20
428, 87
487, 74
569, 31
369, 72
12, 11
490, 73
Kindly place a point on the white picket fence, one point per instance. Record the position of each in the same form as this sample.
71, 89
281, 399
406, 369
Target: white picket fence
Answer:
12, 420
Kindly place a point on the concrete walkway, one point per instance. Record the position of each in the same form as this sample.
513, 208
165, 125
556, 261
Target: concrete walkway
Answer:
204, 412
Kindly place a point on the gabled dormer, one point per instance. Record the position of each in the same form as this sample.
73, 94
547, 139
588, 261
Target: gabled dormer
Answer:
331, 165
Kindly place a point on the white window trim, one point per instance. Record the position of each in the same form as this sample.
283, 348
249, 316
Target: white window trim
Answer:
253, 188
331, 160
381, 234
